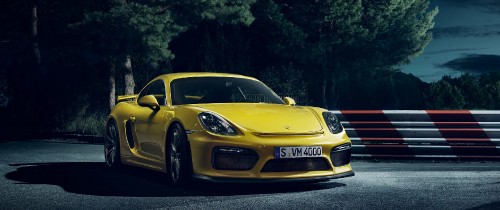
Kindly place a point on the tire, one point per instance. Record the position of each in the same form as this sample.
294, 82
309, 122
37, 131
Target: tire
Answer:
112, 145
179, 165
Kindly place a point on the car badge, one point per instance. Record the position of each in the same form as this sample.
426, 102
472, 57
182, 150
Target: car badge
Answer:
287, 127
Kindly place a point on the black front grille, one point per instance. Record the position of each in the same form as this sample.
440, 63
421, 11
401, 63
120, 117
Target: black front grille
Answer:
296, 164
341, 155
225, 158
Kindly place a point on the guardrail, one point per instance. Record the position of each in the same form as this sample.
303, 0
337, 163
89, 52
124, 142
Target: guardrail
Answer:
423, 133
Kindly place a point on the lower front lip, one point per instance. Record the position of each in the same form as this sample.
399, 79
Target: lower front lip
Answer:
271, 180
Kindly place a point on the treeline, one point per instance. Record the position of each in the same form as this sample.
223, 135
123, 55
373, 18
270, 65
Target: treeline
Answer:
63, 63
465, 92
398, 90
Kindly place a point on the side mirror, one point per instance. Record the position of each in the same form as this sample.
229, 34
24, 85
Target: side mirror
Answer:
149, 101
289, 101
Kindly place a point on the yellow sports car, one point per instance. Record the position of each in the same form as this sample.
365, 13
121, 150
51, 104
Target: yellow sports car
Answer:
225, 128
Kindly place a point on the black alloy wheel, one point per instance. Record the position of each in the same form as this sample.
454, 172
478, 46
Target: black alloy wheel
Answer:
179, 165
112, 145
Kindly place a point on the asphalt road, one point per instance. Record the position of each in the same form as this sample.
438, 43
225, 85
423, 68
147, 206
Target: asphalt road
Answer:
48, 175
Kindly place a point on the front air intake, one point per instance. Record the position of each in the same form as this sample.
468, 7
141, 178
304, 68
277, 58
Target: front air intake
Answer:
233, 158
341, 155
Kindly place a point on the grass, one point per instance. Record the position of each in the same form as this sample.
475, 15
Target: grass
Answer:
89, 124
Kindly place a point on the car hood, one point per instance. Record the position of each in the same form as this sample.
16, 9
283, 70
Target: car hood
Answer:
269, 119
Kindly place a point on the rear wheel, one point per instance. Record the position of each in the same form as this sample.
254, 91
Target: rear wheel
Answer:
179, 165
112, 145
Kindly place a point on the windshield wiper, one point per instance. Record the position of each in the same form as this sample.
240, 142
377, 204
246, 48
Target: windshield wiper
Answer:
244, 96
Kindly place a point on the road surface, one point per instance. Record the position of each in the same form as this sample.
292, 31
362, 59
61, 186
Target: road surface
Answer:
50, 175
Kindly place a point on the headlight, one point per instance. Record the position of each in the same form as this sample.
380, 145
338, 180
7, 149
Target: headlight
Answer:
216, 124
332, 122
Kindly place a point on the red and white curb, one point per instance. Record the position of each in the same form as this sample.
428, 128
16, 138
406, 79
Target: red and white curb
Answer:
423, 133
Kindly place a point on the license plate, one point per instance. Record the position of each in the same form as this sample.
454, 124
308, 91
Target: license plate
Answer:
297, 152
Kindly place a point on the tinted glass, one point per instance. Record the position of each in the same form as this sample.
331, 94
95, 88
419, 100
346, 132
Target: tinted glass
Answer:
157, 89
195, 90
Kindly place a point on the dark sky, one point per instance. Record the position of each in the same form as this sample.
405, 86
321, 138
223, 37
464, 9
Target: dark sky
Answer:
466, 39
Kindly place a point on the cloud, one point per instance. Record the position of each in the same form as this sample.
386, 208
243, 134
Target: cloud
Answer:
490, 6
453, 50
467, 31
473, 63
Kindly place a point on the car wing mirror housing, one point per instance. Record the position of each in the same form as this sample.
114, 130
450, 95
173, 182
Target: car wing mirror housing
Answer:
289, 101
149, 101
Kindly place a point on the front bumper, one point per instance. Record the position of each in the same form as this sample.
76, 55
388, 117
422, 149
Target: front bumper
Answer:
203, 143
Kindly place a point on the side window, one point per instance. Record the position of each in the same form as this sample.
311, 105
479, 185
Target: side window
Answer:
157, 89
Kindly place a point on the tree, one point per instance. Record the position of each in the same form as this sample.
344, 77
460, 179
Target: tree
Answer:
490, 83
443, 95
493, 95
278, 38
472, 91
142, 30
127, 30
286, 81
356, 36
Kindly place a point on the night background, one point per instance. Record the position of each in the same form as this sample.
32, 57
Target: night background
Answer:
62, 63
436, 62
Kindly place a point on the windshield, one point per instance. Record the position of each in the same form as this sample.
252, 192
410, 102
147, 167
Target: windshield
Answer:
197, 90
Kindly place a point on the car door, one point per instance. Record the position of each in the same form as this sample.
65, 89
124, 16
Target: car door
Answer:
150, 124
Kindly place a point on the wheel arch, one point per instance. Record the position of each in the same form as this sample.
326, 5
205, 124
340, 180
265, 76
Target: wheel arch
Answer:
188, 155
111, 117
169, 128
